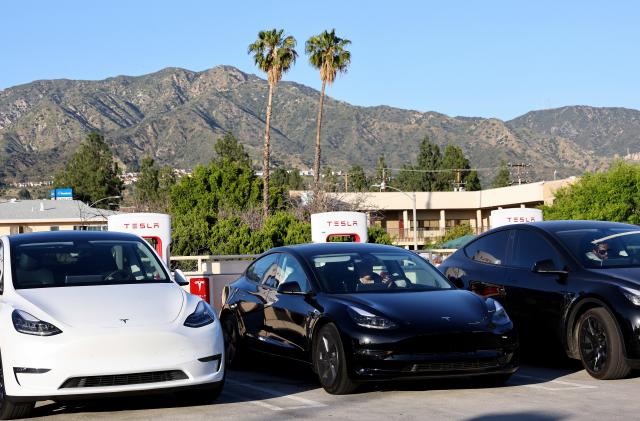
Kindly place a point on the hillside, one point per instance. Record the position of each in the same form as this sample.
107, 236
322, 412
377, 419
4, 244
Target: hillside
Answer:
175, 115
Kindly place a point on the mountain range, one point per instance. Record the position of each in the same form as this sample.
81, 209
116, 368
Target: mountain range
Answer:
175, 115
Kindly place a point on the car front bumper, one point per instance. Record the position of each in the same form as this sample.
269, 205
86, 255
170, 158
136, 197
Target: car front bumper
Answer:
111, 361
435, 355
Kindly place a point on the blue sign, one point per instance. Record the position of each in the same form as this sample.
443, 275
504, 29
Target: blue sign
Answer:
66, 193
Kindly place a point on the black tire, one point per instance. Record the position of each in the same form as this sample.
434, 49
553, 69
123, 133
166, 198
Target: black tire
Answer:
600, 346
233, 348
201, 396
11, 410
330, 363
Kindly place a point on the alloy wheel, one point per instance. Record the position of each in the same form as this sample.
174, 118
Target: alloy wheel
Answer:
594, 344
328, 360
230, 339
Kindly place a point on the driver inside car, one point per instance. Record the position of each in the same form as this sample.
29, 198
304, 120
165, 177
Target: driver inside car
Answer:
366, 274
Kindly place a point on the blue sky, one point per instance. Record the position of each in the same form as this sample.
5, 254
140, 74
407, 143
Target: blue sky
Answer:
472, 58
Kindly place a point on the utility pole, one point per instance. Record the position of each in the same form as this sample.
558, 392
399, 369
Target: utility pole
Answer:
458, 185
521, 173
346, 182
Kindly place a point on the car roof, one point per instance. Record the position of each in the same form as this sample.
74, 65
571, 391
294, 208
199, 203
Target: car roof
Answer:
311, 249
55, 236
561, 225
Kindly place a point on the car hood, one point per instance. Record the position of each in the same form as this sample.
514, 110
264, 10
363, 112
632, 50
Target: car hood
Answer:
109, 305
432, 310
630, 275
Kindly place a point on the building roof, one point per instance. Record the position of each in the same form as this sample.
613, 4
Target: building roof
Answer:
25, 211
516, 195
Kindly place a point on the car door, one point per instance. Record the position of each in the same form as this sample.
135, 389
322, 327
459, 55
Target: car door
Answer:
536, 300
253, 299
481, 268
290, 314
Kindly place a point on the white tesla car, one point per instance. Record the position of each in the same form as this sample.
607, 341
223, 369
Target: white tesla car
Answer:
92, 313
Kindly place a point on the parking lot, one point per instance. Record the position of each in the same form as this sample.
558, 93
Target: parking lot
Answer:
541, 390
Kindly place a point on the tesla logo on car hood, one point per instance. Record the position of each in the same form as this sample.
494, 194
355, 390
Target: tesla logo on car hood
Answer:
124, 321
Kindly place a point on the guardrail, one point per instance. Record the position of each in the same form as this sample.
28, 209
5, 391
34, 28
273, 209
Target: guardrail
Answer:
208, 274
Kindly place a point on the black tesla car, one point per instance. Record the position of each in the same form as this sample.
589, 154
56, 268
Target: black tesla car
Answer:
359, 312
577, 282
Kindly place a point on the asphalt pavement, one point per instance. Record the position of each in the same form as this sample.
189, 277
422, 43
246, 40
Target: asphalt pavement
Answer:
270, 389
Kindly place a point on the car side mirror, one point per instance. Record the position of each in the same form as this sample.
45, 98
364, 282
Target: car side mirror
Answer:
290, 287
547, 266
180, 278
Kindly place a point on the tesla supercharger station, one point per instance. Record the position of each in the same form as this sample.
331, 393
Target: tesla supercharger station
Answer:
339, 224
156, 229
508, 216
153, 227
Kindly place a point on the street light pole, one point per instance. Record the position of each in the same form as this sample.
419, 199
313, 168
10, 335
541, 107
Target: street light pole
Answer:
383, 186
415, 223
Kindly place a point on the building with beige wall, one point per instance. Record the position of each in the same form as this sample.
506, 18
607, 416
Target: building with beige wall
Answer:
21, 216
437, 212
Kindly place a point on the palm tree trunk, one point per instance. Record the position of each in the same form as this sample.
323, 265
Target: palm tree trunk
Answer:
265, 157
316, 162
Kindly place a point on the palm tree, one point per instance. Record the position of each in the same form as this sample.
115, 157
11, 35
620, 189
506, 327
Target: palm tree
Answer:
326, 53
274, 54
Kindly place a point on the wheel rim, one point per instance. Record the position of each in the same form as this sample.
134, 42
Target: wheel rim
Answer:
327, 360
593, 344
230, 339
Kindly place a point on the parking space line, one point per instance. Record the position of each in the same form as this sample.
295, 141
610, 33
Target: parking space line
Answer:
306, 403
566, 385
258, 403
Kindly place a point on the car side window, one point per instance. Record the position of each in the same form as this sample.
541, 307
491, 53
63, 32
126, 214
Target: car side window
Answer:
531, 247
490, 249
257, 271
291, 270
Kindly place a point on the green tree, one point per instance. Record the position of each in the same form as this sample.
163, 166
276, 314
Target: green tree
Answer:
280, 229
422, 176
457, 232
151, 191
472, 183
383, 176
456, 168
408, 179
92, 172
274, 54
230, 236
24, 194
196, 201
358, 179
429, 160
228, 147
502, 179
613, 195
287, 178
328, 54
147, 188
378, 235
329, 180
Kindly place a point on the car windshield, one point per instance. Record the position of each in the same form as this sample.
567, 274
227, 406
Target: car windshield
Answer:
82, 263
603, 248
376, 272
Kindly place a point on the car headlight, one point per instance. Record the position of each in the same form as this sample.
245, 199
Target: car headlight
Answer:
26, 323
201, 316
632, 295
497, 313
365, 319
